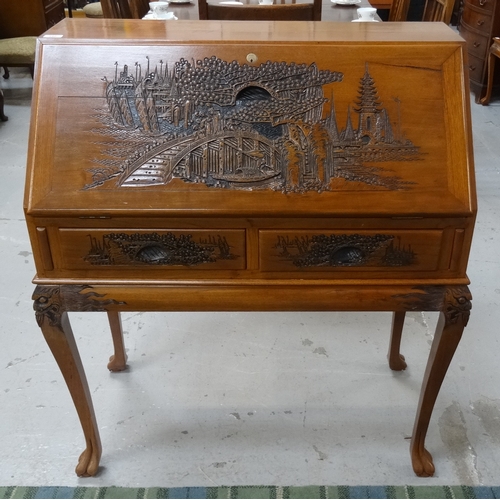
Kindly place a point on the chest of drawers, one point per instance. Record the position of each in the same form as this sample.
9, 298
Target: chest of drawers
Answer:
215, 166
29, 17
480, 22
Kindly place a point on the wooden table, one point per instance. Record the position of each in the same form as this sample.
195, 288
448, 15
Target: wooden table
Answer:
330, 11
222, 166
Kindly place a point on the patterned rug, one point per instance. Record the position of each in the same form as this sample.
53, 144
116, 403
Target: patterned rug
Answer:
304, 492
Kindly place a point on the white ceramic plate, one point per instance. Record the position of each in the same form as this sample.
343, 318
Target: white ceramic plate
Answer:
346, 2
170, 17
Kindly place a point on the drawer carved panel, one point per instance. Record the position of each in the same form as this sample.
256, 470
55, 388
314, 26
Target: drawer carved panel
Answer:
323, 250
217, 249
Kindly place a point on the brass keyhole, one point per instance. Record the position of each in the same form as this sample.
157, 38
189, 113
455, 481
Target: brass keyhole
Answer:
251, 58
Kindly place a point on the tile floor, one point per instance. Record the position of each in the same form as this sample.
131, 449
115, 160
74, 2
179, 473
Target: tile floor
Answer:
232, 399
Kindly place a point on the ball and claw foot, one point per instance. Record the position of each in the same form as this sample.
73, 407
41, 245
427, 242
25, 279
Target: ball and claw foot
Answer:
398, 363
422, 463
88, 463
117, 365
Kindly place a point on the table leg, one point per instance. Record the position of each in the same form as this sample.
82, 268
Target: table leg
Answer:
53, 320
396, 360
118, 361
491, 69
3, 118
452, 321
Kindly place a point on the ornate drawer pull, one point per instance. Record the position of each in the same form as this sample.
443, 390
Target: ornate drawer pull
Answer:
472, 68
480, 22
482, 3
476, 44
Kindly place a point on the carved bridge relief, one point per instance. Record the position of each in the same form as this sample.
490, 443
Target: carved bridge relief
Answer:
229, 125
341, 250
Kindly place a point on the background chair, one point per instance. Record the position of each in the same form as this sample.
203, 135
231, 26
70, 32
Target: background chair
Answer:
246, 12
494, 52
434, 10
438, 10
399, 10
19, 51
125, 9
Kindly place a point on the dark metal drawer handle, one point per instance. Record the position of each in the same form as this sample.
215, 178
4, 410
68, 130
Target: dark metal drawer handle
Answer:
472, 68
476, 44
482, 3
480, 22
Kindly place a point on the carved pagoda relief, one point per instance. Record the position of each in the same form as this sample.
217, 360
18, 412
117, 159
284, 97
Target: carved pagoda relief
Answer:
227, 125
157, 249
341, 250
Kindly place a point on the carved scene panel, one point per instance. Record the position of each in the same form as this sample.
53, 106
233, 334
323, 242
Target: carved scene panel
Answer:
165, 122
166, 249
371, 250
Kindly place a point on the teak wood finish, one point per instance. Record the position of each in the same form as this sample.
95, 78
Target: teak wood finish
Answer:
235, 166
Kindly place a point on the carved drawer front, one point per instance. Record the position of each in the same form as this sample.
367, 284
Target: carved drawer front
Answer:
392, 250
154, 249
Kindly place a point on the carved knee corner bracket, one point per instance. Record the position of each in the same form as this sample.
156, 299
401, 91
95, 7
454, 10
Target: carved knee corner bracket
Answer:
457, 305
53, 300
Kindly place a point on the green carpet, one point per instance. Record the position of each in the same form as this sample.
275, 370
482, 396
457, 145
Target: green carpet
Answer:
254, 492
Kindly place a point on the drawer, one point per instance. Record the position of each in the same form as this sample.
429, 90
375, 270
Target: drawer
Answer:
54, 12
477, 44
79, 249
477, 20
322, 251
487, 5
477, 67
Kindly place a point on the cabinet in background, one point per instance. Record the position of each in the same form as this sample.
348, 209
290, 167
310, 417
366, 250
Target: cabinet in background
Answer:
29, 17
480, 22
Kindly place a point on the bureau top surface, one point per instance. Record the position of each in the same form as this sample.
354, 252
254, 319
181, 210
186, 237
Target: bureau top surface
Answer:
312, 119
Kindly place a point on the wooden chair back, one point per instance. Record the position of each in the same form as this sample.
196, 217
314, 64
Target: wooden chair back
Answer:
399, 10
438, 10
116, 9
124, 9
252, 12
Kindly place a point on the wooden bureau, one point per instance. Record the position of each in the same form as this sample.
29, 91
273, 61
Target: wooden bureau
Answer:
218, 166
479, 23
29, 17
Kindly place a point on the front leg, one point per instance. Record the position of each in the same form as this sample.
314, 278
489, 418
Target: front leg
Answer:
118, 361
53, 320
451, 324
396, 359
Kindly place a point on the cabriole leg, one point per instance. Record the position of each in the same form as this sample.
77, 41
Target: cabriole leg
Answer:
118, 361
54, 322
396, 360
452, 321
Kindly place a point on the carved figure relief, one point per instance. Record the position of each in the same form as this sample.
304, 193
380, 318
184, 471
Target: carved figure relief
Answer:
339, 250
155, 249
228, 125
